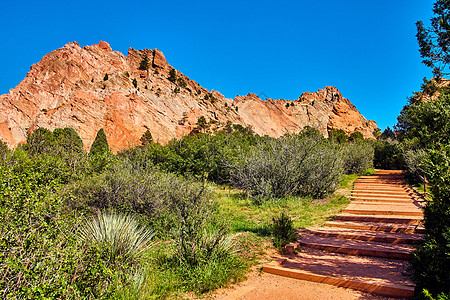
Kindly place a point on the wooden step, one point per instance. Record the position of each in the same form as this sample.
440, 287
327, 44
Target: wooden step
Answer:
356, 247
385, 194
365, 235
382, 210
373, 226
416, 205
357, 185
384, 200
412, 220
382, 192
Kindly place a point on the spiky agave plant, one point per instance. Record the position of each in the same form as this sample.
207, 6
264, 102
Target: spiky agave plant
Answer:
121, 234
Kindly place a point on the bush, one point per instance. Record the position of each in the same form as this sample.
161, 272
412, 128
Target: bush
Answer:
338, 135
304, 164
181, 82
122, 236
388, 155
432, 262
283, 231
172, 75
177, 208
144, 64
201, 155
358, 157
40, 257
356, 137
414, 160
4, 151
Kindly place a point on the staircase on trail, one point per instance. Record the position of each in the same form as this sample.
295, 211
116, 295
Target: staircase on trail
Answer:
367, 246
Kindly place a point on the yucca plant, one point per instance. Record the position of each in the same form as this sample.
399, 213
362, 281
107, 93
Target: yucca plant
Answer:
121, 234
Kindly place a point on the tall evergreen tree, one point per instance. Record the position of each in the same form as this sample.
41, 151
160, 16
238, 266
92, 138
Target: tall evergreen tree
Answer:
69, 140
40, 141
146, 138
100, 144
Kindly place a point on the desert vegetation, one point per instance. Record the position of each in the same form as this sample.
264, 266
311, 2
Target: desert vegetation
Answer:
157, 221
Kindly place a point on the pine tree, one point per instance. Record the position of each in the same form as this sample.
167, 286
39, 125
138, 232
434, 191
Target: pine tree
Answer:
100, 144
172, 75
146, 138
144, 63
68, 140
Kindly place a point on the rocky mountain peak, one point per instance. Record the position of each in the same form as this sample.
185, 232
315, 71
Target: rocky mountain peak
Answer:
93, 87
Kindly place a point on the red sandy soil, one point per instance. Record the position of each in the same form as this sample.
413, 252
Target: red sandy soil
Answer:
260, 286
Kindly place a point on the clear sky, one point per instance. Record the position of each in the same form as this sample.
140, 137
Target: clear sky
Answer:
367, 49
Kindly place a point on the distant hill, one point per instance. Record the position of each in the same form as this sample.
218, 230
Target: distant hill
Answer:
69, 88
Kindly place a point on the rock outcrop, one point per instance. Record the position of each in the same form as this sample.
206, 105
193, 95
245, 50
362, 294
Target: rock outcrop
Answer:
69, 88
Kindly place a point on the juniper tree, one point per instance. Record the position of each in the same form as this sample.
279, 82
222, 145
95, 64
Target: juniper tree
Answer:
100, 144
144, 63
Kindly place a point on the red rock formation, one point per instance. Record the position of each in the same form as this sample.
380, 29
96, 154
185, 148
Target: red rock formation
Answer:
67, 89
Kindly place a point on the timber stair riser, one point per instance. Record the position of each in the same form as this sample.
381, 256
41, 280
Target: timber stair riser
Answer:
382, 212
377, 228
380, 202
384, 194
393, 202
380, 219
382, 187
382, 239
356, 251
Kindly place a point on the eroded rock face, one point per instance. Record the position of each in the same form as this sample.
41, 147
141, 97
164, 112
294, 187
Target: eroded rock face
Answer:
67, 88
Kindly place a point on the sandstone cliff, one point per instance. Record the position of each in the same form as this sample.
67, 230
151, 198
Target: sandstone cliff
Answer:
68, 88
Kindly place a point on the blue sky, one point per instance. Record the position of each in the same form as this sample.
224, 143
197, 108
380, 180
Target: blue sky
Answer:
367, 49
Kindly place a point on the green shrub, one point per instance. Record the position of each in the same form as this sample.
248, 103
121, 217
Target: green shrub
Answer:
134, 82
181, 82
4, 151
358, 157
388, 155
431, 262
283, 231
172, 75
120, 234
304, 164
105, 77
144, 64
338, 135
356, 137
40, 258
